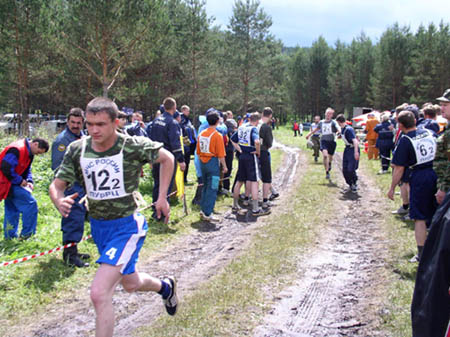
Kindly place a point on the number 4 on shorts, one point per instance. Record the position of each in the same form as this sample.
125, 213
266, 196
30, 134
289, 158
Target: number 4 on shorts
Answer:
111, 253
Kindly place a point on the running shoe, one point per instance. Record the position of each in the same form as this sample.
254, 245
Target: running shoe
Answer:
383, 172
171, 302
261, 211
266, 205
406, 218
246, 202
354, 188
400, 211
238, 210
273, 196
415, 259
208, 218
327, 175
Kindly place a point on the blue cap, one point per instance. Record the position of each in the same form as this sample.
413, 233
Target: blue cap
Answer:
161, 108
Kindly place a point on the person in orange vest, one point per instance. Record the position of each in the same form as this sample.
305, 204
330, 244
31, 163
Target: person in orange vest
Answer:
371, 136
16, 186
211, 152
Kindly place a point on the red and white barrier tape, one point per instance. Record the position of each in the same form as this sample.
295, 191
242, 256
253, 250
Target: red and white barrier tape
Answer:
30, 257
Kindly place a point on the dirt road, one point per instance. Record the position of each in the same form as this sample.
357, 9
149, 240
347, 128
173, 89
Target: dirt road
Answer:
336, 295
332, 298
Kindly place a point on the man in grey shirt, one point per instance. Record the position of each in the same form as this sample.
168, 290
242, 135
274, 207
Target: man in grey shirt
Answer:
328, 129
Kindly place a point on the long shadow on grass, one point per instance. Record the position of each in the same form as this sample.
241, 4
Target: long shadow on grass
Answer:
48, 273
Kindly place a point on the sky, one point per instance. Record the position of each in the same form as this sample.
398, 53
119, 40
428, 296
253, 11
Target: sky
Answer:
301, 22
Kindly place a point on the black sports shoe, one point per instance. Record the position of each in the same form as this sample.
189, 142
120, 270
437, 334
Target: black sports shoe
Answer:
261, 211
84, 256
273, 196
171, 302
73, 260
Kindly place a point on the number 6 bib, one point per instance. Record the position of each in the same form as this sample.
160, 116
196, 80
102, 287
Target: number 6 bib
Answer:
103, 177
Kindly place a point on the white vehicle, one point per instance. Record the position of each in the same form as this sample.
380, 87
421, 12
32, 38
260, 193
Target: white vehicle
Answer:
12, 122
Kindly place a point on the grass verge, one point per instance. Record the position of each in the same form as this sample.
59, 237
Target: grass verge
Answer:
402, 246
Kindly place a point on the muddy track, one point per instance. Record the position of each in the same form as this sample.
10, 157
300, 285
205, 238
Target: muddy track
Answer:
334, 294
193, 259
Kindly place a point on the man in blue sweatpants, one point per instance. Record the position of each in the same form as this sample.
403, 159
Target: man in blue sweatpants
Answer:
350, 160
16, 186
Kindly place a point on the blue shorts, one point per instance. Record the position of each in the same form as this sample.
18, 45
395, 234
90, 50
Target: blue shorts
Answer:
422, 202
120, 240
328, 145
248, 167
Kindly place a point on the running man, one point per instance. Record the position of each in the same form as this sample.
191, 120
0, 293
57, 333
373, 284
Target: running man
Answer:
350, 159
328, 129
109, 164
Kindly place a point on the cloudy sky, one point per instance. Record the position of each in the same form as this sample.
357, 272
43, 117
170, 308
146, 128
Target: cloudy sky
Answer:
301, 22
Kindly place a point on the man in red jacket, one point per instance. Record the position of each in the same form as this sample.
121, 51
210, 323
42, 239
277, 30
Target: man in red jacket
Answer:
16, 186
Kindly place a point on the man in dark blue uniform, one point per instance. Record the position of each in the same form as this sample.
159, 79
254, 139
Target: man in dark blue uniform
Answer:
350, 159
416, 149
189, 137
165, 129
72, 227
429, 122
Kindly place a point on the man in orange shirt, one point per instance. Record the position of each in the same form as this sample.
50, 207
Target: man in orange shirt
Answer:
211, 151
372, 136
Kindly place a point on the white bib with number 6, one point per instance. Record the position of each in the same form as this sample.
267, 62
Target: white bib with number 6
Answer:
103, 177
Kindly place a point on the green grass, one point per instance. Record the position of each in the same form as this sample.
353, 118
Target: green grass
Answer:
402, 247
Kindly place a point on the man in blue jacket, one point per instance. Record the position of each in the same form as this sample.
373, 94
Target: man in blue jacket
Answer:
189, 137
165, 129
72, 227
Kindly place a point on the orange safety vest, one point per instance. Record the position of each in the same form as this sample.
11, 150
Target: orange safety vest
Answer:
24, 163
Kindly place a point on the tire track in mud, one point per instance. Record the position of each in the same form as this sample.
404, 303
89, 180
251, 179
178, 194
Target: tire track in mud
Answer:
193, 259
334, 295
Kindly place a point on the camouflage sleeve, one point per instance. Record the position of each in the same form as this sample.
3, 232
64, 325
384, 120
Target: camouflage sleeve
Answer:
67, 170
148, 149
441, 163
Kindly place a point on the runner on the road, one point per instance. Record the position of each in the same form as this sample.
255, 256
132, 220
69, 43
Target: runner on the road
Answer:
350, 159
328, 129
110, 164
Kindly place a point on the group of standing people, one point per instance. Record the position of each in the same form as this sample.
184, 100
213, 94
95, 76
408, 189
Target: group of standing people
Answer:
97, 173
